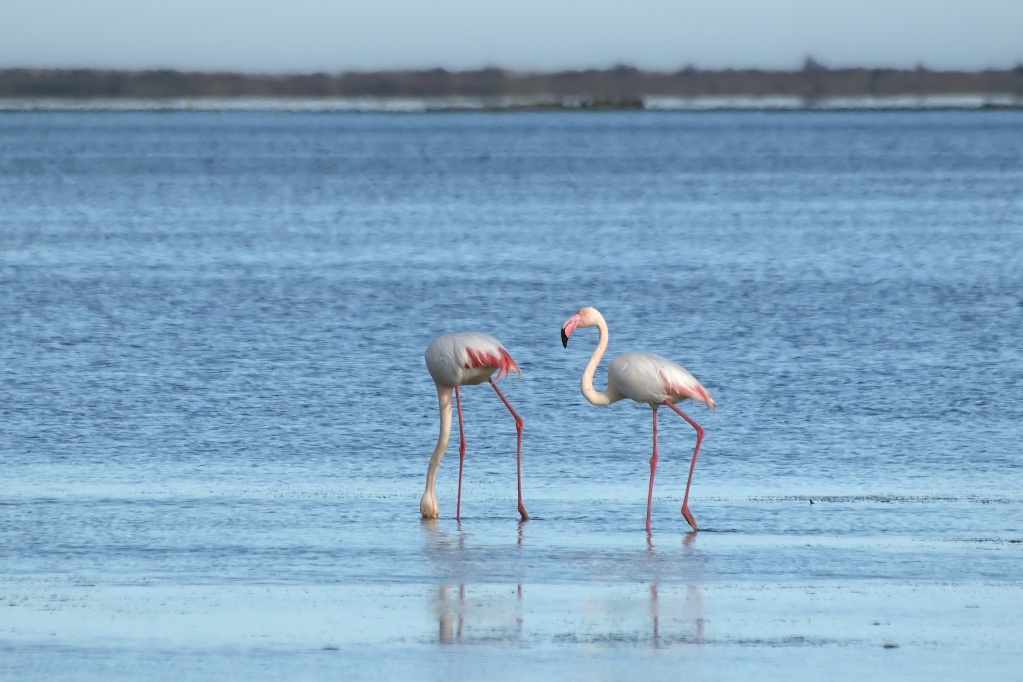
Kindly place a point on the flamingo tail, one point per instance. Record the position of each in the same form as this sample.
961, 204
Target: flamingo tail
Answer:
703, 395
696, 391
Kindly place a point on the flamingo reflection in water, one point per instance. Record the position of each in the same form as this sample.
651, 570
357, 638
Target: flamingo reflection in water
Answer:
669, 612
471, 612
487, 612
693, 608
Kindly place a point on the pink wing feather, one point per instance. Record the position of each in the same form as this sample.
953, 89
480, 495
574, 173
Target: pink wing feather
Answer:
483, 358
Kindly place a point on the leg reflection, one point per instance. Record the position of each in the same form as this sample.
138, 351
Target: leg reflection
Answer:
693, 596
518, 618
461, 610
696, 604
443, 615
655, 614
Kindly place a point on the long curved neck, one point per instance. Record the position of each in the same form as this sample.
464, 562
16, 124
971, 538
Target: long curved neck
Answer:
593, 395
444, 398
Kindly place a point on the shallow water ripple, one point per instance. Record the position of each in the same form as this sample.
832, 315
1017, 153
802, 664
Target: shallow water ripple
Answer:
215, 417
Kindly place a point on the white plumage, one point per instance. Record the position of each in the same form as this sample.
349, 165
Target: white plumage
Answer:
651, 379
467, 359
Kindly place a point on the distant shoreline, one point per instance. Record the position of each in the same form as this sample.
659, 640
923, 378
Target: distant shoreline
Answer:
813, 87
468, 104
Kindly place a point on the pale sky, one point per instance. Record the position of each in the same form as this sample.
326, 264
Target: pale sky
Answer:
337, 35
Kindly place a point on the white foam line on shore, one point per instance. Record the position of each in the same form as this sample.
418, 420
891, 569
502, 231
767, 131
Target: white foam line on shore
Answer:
421, 105
901, 102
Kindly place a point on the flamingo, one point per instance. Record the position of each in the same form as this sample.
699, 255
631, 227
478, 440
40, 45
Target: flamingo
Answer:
456, 360
645, 378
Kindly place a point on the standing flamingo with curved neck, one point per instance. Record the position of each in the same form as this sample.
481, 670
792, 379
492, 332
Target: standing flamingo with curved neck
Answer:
456, 360
645, 378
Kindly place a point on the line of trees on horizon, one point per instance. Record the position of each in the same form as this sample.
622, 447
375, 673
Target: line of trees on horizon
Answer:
619, 83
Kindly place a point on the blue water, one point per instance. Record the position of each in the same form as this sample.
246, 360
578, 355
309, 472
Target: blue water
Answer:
212, 328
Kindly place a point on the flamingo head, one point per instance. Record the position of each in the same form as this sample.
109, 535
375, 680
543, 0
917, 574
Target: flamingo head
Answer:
586, 317
428, 506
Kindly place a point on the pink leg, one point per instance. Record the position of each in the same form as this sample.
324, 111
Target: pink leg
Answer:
461, 452
518, 448
696, 451
653, 470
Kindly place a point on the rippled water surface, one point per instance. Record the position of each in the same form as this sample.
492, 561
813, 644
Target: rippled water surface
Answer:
215, 418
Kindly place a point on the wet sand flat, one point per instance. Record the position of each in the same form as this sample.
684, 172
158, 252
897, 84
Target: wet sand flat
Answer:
575, 593
888, 631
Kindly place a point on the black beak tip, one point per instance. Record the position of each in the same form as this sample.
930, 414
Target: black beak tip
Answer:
564, 338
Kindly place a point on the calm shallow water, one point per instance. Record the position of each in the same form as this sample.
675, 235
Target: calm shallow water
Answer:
211, 378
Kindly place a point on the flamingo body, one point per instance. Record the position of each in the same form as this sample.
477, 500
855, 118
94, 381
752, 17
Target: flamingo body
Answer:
456, 360
651, 379
467, 359
647, 379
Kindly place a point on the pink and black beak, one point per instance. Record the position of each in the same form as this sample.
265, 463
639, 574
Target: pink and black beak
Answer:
567, 328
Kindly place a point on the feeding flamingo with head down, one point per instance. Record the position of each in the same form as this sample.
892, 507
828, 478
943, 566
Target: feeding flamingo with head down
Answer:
456, 360
645, 378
